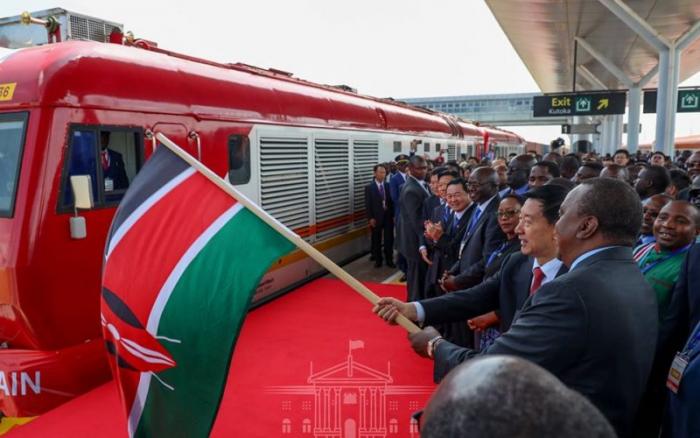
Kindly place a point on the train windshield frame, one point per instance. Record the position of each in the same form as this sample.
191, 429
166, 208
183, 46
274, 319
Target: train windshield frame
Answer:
13, 132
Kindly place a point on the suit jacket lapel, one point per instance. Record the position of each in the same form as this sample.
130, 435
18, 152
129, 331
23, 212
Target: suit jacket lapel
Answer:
562, 270
463, 224
524, 291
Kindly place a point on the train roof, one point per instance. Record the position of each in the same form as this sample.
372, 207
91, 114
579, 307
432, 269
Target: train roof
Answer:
101, 76
502, 135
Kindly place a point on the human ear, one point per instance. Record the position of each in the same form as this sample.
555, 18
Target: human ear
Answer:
587, 228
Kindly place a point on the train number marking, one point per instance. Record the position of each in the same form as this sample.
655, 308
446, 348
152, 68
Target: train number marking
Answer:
7, 91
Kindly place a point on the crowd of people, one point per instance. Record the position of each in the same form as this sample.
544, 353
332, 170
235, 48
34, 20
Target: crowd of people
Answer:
587, 266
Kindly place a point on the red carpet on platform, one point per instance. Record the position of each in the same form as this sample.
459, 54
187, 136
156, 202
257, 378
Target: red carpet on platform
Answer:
313, 362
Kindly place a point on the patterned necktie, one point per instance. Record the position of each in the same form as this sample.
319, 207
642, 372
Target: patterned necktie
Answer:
381, 190
537, 279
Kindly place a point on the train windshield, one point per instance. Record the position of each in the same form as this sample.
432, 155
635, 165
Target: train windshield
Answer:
12, 131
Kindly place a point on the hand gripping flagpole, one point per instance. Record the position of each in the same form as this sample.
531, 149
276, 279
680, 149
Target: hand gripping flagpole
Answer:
300, 243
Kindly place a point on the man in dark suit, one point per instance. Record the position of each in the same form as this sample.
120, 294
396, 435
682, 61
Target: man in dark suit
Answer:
396, 182
380, 213
410, 226
444, 231
683, 313
521, 274
595, 328
682, 317
518, 174
113, 169
483, 235
651, 181
435, 199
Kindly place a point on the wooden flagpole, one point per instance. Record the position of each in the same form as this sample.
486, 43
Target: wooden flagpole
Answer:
300, 243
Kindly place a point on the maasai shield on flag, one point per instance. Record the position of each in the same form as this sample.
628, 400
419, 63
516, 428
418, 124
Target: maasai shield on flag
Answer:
182, 261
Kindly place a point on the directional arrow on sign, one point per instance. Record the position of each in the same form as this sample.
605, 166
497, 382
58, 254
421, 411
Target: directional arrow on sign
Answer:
690, 101
603, 103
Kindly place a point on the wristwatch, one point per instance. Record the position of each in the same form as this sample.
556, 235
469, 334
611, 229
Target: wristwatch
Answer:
432, 344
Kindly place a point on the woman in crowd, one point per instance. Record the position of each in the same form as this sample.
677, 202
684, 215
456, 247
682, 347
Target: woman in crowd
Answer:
508, 216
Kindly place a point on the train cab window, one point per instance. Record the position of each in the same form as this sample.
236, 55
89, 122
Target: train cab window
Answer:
111, 157
12, 129
238, 159
397, 146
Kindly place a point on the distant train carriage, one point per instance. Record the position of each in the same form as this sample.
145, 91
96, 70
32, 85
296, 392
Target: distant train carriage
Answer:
687, 143
502, 143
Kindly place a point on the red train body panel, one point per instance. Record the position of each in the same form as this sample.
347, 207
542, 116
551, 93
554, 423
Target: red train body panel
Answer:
49, 282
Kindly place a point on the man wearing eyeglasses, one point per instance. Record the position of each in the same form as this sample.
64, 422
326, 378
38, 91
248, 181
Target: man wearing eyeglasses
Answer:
482, 236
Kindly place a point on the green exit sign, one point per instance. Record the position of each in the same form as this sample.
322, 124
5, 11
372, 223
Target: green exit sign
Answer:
688, 101
583, 104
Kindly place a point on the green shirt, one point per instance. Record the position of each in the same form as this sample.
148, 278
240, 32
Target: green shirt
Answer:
660, 269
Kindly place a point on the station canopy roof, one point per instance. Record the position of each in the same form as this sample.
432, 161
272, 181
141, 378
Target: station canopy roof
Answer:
543, 31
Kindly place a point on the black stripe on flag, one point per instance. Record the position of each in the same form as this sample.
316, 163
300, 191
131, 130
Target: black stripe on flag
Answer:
160, 168
121, 363
120, 309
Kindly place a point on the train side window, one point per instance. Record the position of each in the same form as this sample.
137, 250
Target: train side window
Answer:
397, 146
437, 147
111, 157
238, 159
119, 162
426, 147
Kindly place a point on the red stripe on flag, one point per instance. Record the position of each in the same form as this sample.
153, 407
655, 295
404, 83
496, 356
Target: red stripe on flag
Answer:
138, 282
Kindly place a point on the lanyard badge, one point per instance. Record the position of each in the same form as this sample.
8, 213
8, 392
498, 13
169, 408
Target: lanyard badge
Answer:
675, 374
680, 363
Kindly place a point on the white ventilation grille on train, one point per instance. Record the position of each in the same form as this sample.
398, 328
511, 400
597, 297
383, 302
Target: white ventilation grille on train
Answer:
82, 28
284, 181
451, 151
365, 156
332, 180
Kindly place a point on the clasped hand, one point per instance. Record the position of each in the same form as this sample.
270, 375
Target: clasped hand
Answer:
433, 230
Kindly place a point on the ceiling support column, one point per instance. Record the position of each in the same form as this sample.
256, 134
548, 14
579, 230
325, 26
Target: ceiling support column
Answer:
669, 69
667, 100
634, 102
634, 97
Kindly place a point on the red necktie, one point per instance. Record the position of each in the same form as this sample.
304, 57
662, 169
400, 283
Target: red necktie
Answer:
105, 160
537, 278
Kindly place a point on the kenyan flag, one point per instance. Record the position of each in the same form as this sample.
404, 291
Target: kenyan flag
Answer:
182, 261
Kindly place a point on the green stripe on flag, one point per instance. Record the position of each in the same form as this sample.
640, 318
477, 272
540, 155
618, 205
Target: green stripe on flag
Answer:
205, 312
